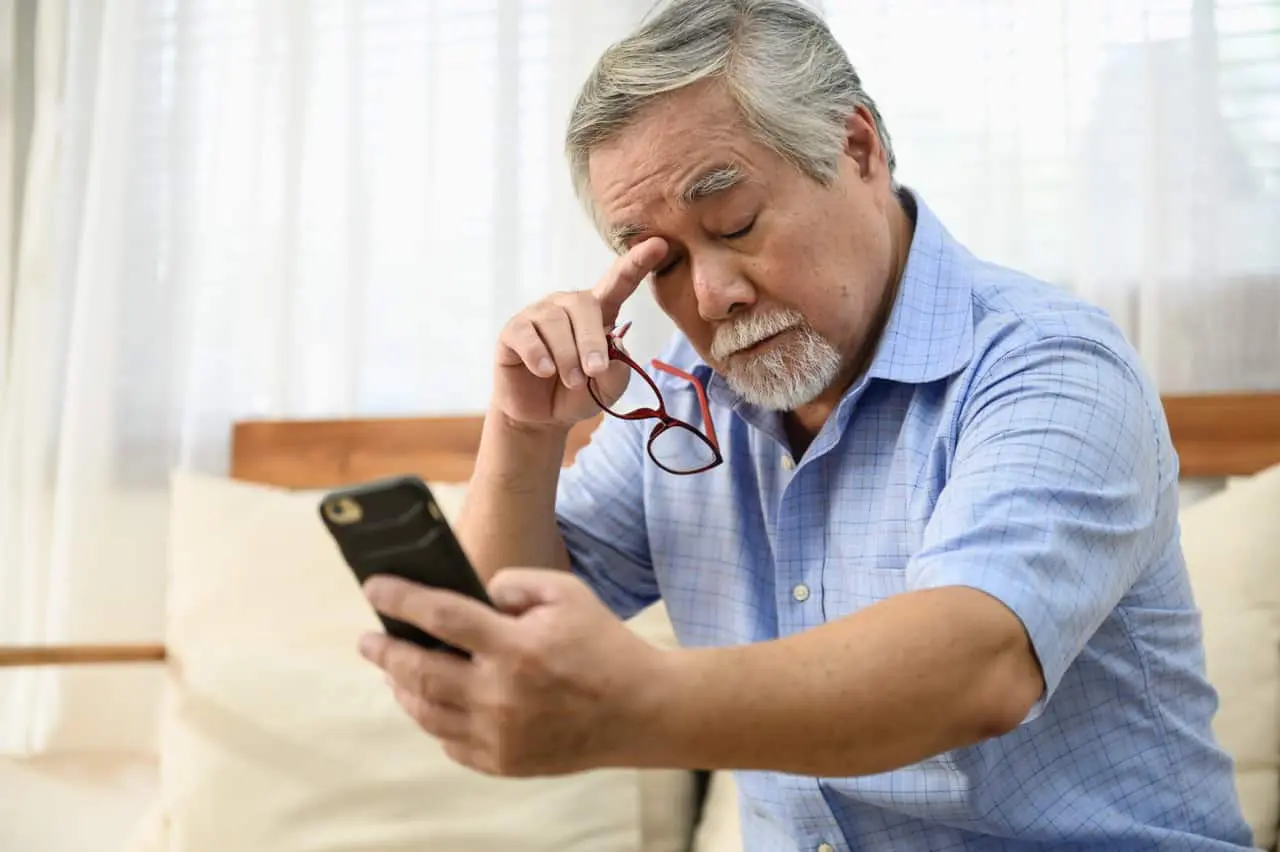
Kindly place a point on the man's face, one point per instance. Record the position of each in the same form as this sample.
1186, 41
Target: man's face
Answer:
774, 278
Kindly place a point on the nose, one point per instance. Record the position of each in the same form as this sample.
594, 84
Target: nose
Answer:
720, 287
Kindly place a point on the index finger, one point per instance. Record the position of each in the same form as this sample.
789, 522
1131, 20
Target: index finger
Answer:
625, 276
461, 621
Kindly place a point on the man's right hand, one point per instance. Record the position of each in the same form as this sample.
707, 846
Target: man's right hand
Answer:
549, 351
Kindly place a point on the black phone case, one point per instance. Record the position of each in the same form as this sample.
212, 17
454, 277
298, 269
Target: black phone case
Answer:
394, 526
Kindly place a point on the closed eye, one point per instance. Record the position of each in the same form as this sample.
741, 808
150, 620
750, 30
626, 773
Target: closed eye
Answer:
738, 234
741, 232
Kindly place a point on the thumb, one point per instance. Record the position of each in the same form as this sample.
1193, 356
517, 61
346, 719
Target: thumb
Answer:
515, 591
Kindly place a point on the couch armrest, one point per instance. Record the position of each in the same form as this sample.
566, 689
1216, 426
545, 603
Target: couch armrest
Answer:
64, 655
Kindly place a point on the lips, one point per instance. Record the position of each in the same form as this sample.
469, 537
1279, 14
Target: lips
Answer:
762, 343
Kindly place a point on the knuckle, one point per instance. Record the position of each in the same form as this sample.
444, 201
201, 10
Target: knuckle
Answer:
435, 689
499, 707
518, 326
528, 653
424, 682
445, 618
409, 703
523, 334
549, 312
402, 664
428, 719
398, 599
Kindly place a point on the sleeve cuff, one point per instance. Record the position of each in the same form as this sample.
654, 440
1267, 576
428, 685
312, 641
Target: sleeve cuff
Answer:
1023, 601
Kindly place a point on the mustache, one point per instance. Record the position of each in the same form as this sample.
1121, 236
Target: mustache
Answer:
752, 329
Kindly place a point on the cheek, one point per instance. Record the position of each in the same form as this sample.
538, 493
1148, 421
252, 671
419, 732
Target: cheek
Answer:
669, 297
788, 269
811, 271
676, 299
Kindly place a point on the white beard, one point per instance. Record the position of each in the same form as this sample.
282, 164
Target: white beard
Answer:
792, 373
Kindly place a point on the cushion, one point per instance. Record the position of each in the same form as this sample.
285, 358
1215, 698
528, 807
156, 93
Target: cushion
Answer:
1232, 549
106, 792
277, 735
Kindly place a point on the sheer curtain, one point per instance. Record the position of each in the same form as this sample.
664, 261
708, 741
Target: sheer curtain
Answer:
253, 208
1128, 150
236, 208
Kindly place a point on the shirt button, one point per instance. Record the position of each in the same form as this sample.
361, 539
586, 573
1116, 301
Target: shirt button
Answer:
801, 593
826, 847
787, 462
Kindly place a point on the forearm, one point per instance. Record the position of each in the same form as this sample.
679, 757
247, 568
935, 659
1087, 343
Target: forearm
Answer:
508, 517
906, 679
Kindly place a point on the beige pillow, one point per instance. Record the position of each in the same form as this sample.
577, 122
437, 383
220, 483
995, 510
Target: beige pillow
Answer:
278, 736
1232, 545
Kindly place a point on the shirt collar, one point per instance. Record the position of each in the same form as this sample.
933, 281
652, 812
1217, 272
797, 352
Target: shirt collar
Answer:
929, 335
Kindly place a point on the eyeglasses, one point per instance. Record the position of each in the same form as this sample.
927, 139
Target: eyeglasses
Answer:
674, 445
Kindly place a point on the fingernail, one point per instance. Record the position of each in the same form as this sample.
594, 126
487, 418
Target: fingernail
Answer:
545, 366
575, 377
368, 642
595, 362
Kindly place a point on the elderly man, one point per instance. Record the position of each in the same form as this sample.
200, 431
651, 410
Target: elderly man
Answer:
913, 515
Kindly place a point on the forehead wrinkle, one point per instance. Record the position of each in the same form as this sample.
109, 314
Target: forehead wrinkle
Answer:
708, 183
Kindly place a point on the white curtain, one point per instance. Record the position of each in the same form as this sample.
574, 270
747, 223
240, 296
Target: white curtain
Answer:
254, 208
277, 208
1128, 150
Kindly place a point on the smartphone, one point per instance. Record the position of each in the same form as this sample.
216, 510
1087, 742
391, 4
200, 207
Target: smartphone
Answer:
394, 526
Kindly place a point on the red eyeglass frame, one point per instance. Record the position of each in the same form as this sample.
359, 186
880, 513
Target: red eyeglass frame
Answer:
665, 420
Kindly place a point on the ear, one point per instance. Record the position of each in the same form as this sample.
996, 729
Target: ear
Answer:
862, 145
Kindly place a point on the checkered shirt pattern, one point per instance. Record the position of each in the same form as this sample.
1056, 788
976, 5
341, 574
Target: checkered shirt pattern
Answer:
1005, 438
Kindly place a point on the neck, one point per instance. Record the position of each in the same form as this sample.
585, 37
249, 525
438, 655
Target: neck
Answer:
804, 423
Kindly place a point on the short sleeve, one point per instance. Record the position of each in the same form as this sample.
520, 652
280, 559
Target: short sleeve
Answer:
1052, 504
600, 514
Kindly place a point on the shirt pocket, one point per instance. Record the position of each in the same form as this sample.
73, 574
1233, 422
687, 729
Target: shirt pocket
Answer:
867, 561
850, 585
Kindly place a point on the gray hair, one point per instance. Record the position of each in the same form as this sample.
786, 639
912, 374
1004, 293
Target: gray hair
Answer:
789, 77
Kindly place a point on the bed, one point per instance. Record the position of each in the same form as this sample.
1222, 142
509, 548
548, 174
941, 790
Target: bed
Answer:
214, 747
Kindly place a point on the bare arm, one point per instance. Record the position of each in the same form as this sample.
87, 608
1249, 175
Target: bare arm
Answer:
568, 687
508, 518
908, 678
546, 355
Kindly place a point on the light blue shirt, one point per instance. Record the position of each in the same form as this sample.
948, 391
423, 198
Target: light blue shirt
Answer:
1004, 438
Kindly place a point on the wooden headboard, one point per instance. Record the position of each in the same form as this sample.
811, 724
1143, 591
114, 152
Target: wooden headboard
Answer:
1216, 435
324, 453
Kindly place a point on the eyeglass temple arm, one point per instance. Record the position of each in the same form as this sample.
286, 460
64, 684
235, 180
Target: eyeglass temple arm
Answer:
707, 422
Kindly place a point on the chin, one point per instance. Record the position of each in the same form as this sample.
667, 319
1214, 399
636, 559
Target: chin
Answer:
782, 390
778, 397
785, 377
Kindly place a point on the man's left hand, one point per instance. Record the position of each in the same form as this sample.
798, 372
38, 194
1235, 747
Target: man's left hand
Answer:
556, 683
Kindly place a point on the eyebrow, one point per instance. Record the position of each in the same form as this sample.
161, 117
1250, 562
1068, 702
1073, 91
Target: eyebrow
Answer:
620, 235
714, 180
